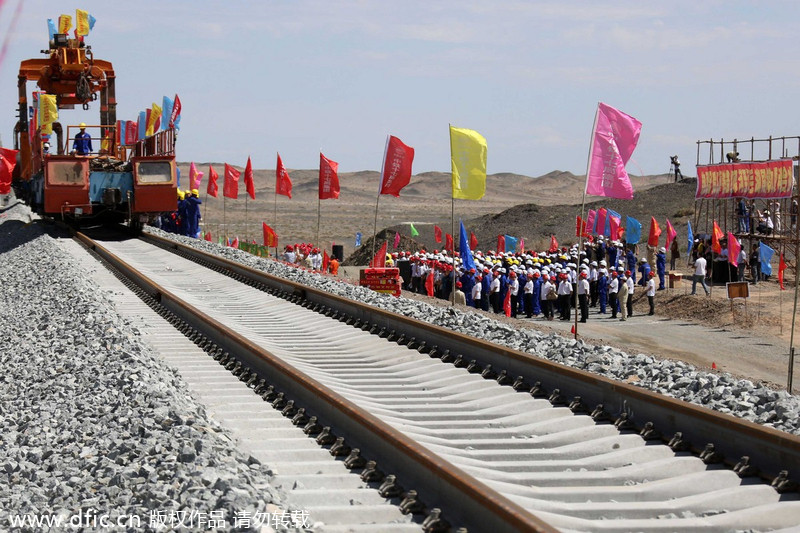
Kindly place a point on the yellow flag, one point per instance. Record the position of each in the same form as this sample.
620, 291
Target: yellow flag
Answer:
154, 120
82, 21
48, 108
64, 24
468, 162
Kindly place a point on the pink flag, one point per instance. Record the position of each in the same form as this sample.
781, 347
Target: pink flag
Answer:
194, 176
614, 138
591, 217
734, 247
671, 234
396, 239
522, 244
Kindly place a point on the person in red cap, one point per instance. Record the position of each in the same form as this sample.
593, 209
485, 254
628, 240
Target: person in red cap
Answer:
460, 297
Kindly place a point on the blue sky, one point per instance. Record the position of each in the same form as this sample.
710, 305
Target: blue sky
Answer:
297, 76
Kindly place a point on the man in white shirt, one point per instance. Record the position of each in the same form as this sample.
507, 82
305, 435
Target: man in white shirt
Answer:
476, 291
613, 289
629, 300
583, 296
699, 274
651, 293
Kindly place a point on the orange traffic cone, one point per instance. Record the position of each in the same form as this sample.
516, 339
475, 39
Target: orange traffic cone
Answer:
572, 329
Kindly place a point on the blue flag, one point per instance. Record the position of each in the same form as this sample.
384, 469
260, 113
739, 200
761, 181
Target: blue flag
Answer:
122, 129
511, 244
358, 239
178, 175
51, 28
463, 247
765, 254
691, 240
633, 231
142, 124
166, 111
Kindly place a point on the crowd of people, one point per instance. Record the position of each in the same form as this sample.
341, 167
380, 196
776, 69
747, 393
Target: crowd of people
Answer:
310, 257
605, 275
186, 219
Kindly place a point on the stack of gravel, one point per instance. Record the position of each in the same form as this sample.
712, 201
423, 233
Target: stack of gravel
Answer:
93, 422
721, 392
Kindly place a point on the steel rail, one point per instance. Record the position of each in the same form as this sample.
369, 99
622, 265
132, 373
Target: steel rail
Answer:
463, 499
770, 451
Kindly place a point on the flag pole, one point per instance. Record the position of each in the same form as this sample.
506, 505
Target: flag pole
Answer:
452, 217
224, 217
275, 216
583, 207
246, 223
791, 336
378, 199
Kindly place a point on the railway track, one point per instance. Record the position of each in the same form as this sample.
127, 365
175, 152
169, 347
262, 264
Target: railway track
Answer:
493, 439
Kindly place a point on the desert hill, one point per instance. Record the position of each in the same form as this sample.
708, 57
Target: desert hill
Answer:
425, 201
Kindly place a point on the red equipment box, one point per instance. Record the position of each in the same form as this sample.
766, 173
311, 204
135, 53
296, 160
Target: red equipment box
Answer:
384, 280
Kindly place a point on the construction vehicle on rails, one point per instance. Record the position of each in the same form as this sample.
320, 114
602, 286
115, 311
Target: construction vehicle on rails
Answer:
109, 180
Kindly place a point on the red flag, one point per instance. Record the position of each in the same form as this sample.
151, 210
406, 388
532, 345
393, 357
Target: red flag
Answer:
325, 260
613, 224
734, 247
248, 179
208, 236
501, 243
176, 111
8, 160
396, 172
579, 225
230, 188
601, 220
283, 185
781, 268
328, 178
507, 304
437, 233
429, 283
270, 237
715, 238
396, 239
131, 129
235, 243
448, 242
553, 244
473, 241
379, 261
655, 232
212, 182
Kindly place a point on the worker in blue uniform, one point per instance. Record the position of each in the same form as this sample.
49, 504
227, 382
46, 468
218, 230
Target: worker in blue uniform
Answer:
661, 267
631, 260
83, 141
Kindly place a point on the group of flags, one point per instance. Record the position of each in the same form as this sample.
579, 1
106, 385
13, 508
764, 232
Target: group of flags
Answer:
150, 121
84, 23
608, 223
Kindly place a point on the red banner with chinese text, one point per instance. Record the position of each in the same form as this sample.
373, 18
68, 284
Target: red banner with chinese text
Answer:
770, 179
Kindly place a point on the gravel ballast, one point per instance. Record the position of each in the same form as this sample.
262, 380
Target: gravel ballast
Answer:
719, 391
95, 426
